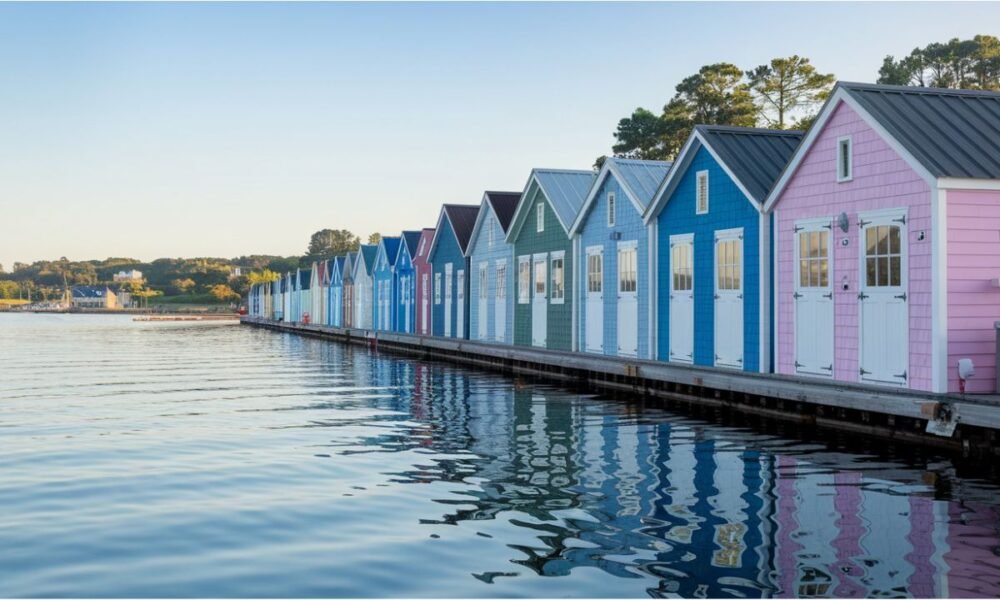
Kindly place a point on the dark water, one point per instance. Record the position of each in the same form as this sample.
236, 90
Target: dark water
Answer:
178, 459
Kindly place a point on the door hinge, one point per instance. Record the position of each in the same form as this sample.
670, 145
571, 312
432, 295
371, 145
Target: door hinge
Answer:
828, 226
862, 223
863, 372
796, 295
862, 295
901, 376
828, 296
900, 220
740, 296
797, 229
830, 368
716, 296
798, 364
901, 297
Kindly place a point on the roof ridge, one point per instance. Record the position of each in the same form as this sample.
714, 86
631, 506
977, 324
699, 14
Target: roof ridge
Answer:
749, 130
915, 89
579, 171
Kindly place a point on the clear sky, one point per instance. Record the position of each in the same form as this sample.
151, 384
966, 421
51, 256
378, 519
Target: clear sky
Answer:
149, 130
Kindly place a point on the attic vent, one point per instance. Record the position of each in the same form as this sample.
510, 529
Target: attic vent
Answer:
701, 192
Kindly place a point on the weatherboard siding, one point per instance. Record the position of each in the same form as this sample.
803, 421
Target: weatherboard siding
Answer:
882, 180
973, 302
728, 208
483, 252
448, 251
559, 326
420, 268
596, 232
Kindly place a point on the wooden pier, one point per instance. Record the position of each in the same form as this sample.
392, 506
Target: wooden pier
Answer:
966, 424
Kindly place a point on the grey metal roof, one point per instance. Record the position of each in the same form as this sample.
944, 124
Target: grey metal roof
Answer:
391, 249
641, 177
566, 190
412, 240
504, 206
756, 157
90, 291
368, 252
952, 133
463, 220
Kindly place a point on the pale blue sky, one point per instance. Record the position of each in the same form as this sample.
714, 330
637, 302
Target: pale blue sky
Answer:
151, 130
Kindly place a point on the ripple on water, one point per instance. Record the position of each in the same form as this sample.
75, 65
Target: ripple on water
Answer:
194, 459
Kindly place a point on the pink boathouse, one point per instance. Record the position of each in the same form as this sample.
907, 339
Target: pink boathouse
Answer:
887, 240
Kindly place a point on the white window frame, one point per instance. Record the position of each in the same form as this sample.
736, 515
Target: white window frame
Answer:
540, 217
501, 285
489, 224
524, 287
484, 280
553, 257
699, 177
611, 209
437, 288
841, 142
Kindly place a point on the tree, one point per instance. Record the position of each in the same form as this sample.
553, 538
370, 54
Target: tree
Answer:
224, 293
640, 136
184, 285
327, 243
375, 238
961, 64
265, 276
1, 268
18, 266
786, 86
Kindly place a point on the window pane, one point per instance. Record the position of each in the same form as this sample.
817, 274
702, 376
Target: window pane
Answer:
736, 278
870, 237
804, 245
813, 273
804, 273
895, 271
870, 271
883, 240
894, 240
883, 271
814, 243
824, 243
824, 266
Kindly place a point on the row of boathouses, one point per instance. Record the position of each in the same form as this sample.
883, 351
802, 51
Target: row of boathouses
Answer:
865, 250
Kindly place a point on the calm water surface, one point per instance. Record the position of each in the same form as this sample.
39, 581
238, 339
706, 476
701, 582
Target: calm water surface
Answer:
180, 459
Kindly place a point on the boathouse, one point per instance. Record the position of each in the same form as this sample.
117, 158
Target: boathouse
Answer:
612, 259
304, 296
347, 282
713, 247
384, 280
424, 273
491, 259
406, 282
449, 265
886, 240
317, 304
363, 287
335, 304
539, 234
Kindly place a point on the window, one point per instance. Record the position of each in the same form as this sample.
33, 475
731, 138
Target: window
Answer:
814, 259
558, 288
845, 159
523, 280
489, 224
680, 267
540, 215
437, 288
501, 281
727, 259
595, 272
627, 269
611, 209
483, 280
540, 277
883, 256
701, 192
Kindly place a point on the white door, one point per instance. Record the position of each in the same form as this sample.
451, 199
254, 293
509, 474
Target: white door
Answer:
482, 319
594, 303
447, 300
813, 297
425, 301
681, 298
500, 303
408, 305
628, 298
539, 301
729, 298
460, 321
884, 326
387, 314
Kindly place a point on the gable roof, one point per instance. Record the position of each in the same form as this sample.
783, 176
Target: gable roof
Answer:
411, 241
507, 204
462, 218
91, 291
565, 190
391, 246
367, 254
753, 158
939, 132
337, 267
429, 232
350, 259
638, 178
305, 281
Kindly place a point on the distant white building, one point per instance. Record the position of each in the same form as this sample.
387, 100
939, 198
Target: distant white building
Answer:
128, 276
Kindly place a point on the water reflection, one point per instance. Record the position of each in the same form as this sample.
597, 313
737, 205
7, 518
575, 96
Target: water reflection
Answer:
700, 510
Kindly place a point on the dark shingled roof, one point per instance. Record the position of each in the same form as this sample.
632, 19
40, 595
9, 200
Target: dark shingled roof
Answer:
504, 205
391, 249
412, 240
952, 133
756, 157
463, 219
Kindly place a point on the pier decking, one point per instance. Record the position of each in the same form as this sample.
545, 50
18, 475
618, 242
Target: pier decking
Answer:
966, 424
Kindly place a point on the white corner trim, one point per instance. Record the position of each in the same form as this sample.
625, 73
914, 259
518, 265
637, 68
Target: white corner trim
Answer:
764, 288
654, 292
939, 290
